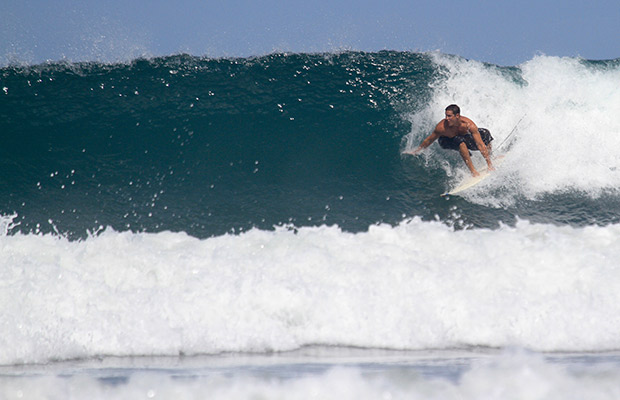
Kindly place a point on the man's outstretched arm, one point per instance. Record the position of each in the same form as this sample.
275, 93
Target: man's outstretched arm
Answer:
425, 143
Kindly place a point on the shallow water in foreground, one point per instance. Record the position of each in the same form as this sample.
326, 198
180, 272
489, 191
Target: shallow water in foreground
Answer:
325, 373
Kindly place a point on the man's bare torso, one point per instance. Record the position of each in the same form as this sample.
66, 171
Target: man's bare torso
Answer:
443, 129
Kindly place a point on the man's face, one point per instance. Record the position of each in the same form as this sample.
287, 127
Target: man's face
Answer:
451, 118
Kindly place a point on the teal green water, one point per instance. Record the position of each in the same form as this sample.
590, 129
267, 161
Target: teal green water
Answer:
209, 146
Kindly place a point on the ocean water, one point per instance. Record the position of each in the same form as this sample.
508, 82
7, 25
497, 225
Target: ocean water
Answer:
187, 227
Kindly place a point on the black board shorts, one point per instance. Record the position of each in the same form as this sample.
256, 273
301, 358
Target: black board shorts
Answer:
468, 139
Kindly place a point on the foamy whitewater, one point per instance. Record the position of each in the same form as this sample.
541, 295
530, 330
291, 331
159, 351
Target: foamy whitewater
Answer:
248, 228
535, 286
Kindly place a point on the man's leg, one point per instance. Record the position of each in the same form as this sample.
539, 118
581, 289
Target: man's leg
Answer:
464, 151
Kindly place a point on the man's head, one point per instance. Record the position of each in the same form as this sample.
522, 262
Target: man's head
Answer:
453, 113
454, 108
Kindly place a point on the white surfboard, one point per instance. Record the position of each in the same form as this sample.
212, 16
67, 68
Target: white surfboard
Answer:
472, 181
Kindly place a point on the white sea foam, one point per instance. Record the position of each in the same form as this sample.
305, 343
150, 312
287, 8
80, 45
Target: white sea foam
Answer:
419, 285
567, 139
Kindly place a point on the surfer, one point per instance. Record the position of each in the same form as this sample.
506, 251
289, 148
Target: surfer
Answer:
456, 132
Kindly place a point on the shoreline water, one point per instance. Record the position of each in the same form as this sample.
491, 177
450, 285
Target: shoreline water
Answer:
446, 373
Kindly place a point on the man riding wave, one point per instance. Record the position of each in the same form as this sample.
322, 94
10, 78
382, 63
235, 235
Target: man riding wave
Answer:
456, 132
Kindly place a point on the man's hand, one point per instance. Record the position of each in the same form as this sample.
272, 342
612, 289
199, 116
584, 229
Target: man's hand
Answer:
412, 152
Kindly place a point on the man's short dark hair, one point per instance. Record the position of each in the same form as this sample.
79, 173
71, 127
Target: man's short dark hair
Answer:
454, 108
